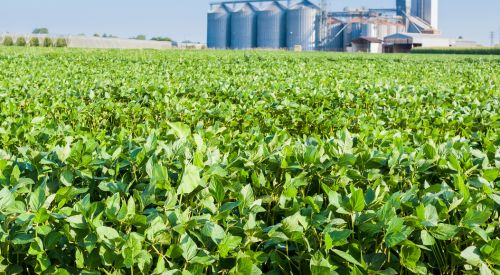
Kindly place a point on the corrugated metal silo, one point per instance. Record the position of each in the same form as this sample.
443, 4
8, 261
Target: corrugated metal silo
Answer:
430, 12
357, 29
416, 8
351, 32
301, 20
336, 42
218, 27
369, 30
244, 27
383, 30
331, 37
393, 29
271, 27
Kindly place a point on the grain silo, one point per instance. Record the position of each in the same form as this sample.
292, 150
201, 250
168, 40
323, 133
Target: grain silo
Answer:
218, 27
351, 32
331, 37
430, 12
369, 30
271, 27
244, 27
301, 22
382, 30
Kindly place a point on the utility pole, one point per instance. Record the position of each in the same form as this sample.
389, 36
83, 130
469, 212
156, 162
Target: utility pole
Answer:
492, 39
324, 5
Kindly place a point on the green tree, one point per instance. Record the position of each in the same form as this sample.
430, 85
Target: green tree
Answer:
140, 37
34, 42
47, 42
8, 41
160, 38
61, 43
21, 41
41, 31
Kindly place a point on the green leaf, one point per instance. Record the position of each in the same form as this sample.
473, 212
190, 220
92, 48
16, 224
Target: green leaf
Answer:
160, 175
474, 218
227, 244
472, 255
337, 237
37, 120
319, 265
89, 242
107, 233
395, 237
79, 259
181, 130
66, 178
245, 266
77, 221
247, 197
357, 201
409, 256
132, 249
188, 246
22, 238
347, 257
492, 251
428, 215
37, 198
213, 231
427, 238
190, 180
6, 199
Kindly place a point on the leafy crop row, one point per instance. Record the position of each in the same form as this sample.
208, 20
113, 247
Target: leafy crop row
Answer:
129, 162
470, 51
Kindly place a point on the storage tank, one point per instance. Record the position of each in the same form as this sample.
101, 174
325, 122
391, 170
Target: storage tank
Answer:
244, 27
416, 8
430, 12
369, 30
271, 27
336, 41
393, 29
301, 25
383, 30
351, 32
331, 37
218, 27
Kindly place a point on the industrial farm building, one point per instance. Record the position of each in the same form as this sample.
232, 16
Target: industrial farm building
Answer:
271, 24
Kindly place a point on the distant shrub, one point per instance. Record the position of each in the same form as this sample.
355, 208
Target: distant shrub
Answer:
61, 43
34, 42
8, 41
168, 39
47, 42
21, 42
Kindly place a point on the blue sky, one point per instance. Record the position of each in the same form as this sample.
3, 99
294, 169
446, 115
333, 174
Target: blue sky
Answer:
186, 19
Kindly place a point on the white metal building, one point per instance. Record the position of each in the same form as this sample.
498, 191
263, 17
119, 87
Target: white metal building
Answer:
404, 42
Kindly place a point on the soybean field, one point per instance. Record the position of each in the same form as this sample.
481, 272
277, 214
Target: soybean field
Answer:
234, 162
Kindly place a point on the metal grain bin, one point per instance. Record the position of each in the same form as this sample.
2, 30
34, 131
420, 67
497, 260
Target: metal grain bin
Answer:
337, 41
218, 27
271, 27
301, 20
369, 30
351, 32
393, 29
244, 27
383, 30
332, 37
